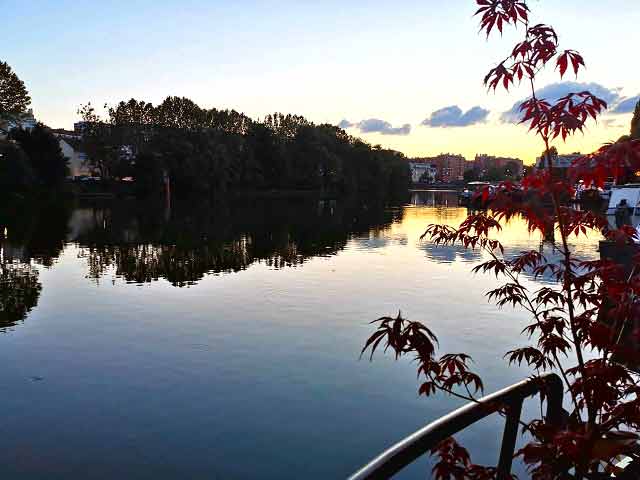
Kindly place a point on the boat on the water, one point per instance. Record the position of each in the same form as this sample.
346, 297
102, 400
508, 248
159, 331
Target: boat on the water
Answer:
591, 195
624, 197
471, 195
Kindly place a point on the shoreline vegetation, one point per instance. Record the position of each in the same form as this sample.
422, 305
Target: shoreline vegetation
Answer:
209, 152
180, 150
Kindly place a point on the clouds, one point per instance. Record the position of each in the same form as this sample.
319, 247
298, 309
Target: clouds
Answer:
555, 91
454, 117
375, 125
446, 117
612, 123
627, 105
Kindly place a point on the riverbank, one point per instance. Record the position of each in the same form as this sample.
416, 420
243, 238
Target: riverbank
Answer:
127, 190
427, 187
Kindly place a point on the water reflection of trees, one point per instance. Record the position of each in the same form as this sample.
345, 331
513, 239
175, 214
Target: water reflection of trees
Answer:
19, 292
143, 243
30, 237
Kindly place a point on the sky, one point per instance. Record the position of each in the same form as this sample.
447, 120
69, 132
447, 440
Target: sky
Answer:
405, 74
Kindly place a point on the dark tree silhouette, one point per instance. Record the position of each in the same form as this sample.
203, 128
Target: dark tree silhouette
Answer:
16, 174
635, 123
14, 98
44, 153
209, 152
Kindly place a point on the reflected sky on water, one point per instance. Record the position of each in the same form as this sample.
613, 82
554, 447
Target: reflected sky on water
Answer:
223, 340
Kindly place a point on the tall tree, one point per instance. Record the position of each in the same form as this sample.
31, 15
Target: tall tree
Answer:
179, 113
98, 141
14, 98
131, 121
44, 153
635, 122
16, 174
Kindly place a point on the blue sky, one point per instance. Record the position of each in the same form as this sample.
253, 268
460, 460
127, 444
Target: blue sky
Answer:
397, 62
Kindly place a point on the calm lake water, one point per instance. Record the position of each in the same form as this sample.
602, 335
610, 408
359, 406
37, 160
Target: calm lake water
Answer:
223, 342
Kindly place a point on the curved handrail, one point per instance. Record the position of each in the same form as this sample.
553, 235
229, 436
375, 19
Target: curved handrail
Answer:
406, 451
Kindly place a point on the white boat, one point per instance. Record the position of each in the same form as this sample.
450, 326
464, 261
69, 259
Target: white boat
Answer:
472, 188
606, 191
629, 193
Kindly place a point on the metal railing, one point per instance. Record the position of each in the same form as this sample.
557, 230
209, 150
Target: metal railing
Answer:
510, 399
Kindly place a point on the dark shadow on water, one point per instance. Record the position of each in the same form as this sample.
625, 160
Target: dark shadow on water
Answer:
142, 243
145, 241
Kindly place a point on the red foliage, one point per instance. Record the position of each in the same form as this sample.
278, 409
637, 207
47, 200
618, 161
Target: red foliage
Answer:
588, 308
565, 117
569, 56
455, 464
497, 13
614, 160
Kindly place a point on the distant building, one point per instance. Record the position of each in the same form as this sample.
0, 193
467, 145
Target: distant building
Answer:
468, 165
422, 172
558, 161
80, 127
62, 133
483, 163
26, 121
449, 168
127, 153
78, 166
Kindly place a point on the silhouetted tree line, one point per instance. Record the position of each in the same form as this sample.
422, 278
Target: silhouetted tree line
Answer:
635, 122
207, 151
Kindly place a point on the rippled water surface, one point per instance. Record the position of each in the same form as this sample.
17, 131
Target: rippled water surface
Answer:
223, 342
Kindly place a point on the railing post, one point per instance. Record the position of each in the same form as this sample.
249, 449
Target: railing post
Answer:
555, 394
509, 438
406, 451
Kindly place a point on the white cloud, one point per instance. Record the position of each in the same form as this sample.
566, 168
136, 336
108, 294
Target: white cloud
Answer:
375, 125
454, 117
555, 91
627, 105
